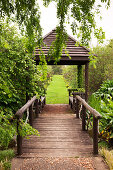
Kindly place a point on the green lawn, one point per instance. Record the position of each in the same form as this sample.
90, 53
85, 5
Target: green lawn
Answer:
57, 92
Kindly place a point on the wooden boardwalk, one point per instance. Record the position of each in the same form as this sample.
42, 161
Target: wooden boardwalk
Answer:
61, 135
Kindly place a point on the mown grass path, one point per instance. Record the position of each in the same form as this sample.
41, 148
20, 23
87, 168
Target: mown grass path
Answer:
57, 92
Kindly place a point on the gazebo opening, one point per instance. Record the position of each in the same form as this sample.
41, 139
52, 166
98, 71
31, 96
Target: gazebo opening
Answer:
79, 55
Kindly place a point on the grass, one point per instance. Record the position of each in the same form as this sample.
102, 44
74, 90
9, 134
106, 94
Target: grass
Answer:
108, 156
57, 92
5, 159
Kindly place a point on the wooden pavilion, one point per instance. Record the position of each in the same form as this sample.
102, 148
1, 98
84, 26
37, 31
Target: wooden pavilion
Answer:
79, 55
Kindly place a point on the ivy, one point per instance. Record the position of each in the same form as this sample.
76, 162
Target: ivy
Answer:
80, 76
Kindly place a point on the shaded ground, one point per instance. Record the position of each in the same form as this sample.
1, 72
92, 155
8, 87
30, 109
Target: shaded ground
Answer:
62, 144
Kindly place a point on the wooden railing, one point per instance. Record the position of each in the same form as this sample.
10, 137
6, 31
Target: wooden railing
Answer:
39, 104
72, 100
77, 100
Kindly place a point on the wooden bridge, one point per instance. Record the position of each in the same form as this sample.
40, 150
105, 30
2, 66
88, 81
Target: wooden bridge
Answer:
62, 133
63, 128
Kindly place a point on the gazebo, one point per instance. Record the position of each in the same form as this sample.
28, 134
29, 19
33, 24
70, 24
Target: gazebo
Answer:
79, 55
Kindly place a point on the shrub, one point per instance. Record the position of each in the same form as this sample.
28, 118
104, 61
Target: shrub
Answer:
104, 67
102, 101
5, 159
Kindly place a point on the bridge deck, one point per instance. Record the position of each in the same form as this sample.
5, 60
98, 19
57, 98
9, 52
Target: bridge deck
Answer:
60, 135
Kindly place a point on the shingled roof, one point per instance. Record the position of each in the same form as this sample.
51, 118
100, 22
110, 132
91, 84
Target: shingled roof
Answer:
78, 54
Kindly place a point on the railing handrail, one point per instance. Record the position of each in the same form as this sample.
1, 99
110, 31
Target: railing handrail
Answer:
20, 112
92, 111
39, 104
77, 101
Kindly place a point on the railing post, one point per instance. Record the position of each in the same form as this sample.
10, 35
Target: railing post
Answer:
37, 107
77, 108
45, 101
74, 99
69, 95
95, 135
19, 139
83, 118
31, 115
40, 104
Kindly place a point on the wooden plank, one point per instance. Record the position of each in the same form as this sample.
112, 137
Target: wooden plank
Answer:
60, 135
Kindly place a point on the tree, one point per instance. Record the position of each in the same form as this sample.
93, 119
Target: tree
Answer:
15, 67
104, 66
27, 14
70, 76
57, 69
18, 71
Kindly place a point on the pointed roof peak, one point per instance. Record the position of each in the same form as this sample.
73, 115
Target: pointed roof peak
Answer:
78, 54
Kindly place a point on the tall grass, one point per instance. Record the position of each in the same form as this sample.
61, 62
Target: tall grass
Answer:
108, 156
5, 159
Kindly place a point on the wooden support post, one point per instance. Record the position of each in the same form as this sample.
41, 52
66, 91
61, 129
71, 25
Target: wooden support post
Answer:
83, 118
74, 99
86, 81
95, 135
31, 115
40, 105
19, 139
69, 96
45, 101
77, 108
37, 107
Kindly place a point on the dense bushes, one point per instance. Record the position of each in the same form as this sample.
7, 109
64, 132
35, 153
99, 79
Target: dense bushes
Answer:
5, 159
19, 76
104, 67
102, 71
102, 101
70, 76
19, 73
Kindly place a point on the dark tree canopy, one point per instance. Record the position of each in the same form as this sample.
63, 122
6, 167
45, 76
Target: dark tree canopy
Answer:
27, 14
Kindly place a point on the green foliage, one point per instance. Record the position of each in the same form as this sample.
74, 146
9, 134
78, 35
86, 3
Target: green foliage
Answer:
104, 66
27, 14
70, 76
19, 76
106, 90
7, 130
25, 130
57, 70
56, 91
5, 159
73, 77
95, 102
102, 101
55, 51
108, 156
18, 72
80, 76
9, 154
